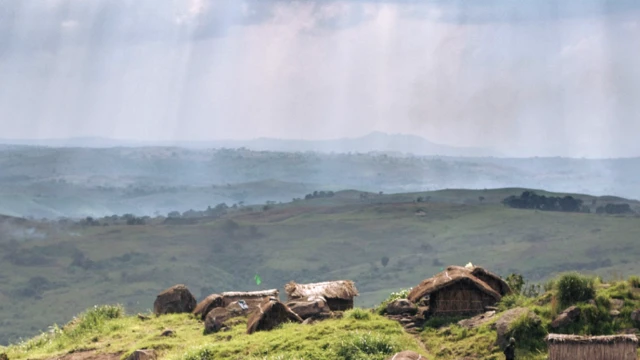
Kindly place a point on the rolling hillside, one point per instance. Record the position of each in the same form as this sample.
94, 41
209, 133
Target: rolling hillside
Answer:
67, 267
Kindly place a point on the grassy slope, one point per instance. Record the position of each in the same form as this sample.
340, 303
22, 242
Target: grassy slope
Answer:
359, 335
316, 240
329, 340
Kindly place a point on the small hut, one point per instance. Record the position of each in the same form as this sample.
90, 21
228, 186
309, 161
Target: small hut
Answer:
338, 294
455, 291
252, 298
270, 314
496, 282
571, 347
209, 303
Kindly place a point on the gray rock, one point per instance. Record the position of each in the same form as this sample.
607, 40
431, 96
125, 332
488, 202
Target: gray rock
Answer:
477, 320
307, 309
614, 313
168, 332
142, 355
616, 304
503, 324
407, 355
635, 315
401, 306
567, 317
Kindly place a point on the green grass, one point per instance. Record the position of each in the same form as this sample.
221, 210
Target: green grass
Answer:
340, 238
353, 337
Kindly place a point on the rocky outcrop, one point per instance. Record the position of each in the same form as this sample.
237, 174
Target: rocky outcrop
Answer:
176, 299
143, 355
503, 325
216, 318
567, 317
407, 355
635, 316
401, 306
309, 309
478, 320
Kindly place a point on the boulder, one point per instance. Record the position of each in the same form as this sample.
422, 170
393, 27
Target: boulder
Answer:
616, 304
142, 355
168, 333
216, 318
407, 355
503, 324
476, 321
3, 356
209, 303
308, 309
401, 306
567, 317
614, 313
176, 299
635, 316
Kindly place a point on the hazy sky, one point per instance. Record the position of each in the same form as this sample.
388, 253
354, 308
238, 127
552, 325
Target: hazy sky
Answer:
528, 77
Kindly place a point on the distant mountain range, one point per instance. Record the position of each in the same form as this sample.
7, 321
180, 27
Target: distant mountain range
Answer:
373, 142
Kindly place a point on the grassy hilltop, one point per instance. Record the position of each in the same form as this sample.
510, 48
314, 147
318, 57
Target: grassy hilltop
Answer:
106, 333
49, 270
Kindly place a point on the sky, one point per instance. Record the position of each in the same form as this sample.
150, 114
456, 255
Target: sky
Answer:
527, 78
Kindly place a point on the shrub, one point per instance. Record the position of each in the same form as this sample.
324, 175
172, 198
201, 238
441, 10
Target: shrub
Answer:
516, 282
93, 319
358, 314
402, 294
634, 281
573, 288
528, 332
360, 346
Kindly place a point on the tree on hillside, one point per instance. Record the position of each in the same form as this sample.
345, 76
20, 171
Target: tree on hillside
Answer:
230, 227
384, 261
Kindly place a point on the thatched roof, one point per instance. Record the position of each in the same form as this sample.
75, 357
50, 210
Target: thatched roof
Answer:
270, 314
450, 276
252, 294
480, 271
577, 339
209, 303
340, 289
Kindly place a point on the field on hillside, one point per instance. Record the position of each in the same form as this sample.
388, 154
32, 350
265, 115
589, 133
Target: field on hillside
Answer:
49, 266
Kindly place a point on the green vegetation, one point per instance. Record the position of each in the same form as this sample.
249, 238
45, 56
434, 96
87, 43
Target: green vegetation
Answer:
574, 288
107, 331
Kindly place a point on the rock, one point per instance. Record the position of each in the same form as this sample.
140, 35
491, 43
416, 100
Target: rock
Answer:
143, 317
307, 309
503, 324
423, 311
168, 332
176, 299
614, 313
4, 357
209, 303
401, 306
568, 316
635, 316
309, 321
142, 355
616, 304
407, 355
216, 318
478, 320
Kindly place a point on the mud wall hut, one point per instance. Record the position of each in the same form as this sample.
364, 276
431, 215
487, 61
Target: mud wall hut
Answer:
455, 291
339, 295
571, 347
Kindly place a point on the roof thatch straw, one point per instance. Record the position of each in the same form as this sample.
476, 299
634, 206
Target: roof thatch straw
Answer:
339, 289
209, 303
452, 275
270, 314
252, 298
577, 339
493, 280
569, 347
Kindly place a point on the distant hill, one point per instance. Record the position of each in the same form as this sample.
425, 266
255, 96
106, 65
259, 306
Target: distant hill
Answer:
373, 142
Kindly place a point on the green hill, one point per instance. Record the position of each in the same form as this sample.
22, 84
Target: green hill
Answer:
50, 270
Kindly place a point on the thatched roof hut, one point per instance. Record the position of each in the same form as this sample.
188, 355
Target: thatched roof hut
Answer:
252, 298
209, 303
570, 347
496, 282
270, 314
338, 294
455, 291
